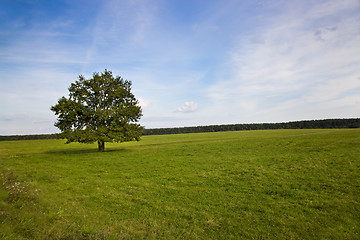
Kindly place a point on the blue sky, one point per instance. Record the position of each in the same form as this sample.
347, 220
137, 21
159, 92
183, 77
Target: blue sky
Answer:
196, 62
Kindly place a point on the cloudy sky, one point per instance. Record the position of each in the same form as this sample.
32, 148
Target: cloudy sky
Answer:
191, 62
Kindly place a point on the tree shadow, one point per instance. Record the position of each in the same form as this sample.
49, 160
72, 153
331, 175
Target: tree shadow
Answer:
84, 151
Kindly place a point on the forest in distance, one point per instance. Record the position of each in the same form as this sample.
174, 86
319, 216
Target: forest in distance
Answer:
305, 124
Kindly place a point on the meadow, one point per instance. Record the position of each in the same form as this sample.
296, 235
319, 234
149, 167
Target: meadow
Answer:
265, 184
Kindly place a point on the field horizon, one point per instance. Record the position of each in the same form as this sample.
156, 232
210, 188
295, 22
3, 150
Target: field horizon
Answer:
274, 184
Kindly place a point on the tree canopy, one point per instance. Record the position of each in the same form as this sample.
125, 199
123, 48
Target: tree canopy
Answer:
101, 109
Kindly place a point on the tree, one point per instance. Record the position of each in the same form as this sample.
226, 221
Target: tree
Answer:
101, 109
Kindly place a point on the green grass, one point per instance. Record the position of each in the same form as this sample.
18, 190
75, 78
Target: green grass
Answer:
277, 184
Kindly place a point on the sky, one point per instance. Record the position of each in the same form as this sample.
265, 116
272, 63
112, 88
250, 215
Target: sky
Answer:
191, 62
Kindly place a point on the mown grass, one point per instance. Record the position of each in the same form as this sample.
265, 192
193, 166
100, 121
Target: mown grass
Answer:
277, 184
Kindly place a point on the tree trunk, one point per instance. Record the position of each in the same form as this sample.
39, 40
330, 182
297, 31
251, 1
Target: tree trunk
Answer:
101, 145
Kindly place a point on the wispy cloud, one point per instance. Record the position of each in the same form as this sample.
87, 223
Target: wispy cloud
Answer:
12, 117
297, 63
119, 31
241, 61
331, 8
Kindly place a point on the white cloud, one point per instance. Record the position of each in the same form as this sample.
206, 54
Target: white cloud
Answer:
144, 103
188, 107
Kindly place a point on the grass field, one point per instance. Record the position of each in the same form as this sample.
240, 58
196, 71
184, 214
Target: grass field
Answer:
276, 184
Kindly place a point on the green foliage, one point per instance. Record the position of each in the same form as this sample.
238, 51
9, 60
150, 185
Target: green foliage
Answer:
278, 184
101, 109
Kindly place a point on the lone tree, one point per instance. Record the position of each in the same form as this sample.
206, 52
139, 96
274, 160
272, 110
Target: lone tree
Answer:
101, 109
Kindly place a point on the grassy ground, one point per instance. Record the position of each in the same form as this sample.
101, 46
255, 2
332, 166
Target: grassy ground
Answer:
277, 184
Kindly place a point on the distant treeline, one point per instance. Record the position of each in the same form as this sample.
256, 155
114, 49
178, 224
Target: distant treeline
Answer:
308, 124
28, 137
